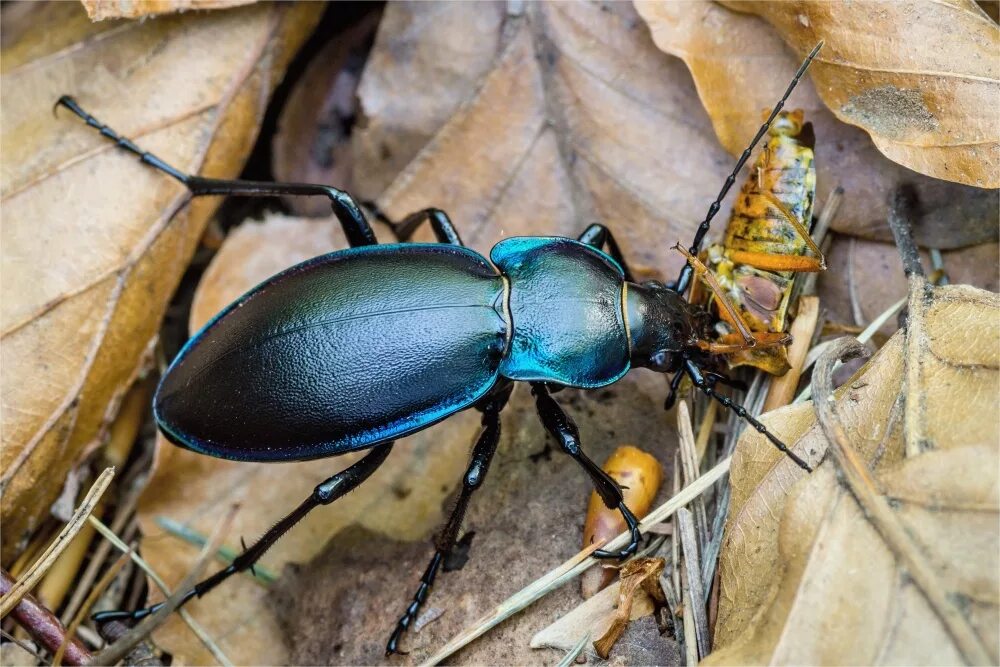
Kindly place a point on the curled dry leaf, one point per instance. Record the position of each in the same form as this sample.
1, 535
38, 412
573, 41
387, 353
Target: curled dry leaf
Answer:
640, 476
806, 577
637, 574
555, 117
922, 78
596, 616
99, 10
94, 243
741, 67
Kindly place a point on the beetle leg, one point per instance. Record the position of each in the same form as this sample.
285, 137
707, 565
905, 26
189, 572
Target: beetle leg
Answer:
599, 236
706, 385
561, 425
446, 540
675, 383
444, 229
324, 494
348, 213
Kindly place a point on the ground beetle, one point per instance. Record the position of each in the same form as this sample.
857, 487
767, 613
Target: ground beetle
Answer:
356, 348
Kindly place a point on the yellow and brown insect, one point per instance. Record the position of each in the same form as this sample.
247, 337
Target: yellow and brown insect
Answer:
766, 243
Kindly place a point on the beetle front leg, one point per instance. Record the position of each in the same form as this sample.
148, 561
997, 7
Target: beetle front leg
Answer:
446, 540
562, 427
324, 494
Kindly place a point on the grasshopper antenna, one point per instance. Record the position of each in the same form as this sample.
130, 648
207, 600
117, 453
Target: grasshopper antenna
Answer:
684, 279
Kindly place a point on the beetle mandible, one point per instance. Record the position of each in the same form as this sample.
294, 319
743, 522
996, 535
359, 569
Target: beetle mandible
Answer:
353, 349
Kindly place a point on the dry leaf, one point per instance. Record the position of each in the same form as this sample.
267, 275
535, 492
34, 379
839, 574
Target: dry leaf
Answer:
640, 476
573, 116
639, 574
594, 616
741, 67
806, 578
922, 78
94, 242
99, 10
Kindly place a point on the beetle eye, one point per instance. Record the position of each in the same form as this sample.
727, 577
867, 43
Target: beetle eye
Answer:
660, 358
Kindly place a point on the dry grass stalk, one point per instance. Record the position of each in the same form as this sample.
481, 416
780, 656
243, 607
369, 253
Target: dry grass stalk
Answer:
195, 627
866, 490
95, 593
130, 639
574, 566
63, 539
689, 461
695, 602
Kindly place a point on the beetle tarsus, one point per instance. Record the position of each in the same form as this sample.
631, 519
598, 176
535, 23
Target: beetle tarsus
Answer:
633, 545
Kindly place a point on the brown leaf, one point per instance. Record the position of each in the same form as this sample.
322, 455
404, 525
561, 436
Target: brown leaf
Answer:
919, 77
573, 116
94, 242
639, 574
594, 616
99, 10
741, 67
806, 576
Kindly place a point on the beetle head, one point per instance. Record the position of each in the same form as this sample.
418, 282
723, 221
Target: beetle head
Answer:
662, 325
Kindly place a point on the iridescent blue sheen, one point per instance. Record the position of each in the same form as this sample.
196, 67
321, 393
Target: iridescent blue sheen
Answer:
566, 310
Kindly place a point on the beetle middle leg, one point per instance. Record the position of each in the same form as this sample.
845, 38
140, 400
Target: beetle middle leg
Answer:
599, 236
324, 494
446, 540
564, 429
348, 213
444, 229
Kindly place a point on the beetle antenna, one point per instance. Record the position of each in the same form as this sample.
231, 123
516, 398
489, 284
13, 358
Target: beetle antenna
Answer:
706, 385
684, 279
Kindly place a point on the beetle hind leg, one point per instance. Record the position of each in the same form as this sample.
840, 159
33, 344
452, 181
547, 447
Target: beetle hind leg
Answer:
324, 494
447, 539
562, 427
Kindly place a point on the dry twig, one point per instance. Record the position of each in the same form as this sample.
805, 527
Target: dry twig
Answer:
42, 625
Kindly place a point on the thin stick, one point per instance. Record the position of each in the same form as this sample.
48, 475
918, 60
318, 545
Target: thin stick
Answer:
130, 639
705, 430
195, 627
782, 389
95, 593
42, 624
689, 461
574, 566
65, 536
692, 568
878, 511
690, 631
